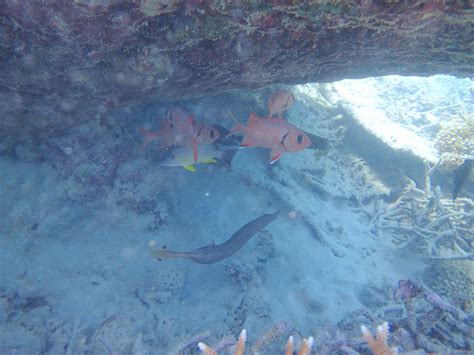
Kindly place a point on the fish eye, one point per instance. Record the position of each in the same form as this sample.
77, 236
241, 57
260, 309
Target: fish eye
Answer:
211, 133
199, 132
299, 139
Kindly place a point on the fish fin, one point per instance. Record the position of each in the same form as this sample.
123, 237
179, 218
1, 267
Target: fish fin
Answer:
238, 128
246, 142
210, 161
235, 130
195, 150
190, 168
274, 156
224, 134
253, 119
227, 157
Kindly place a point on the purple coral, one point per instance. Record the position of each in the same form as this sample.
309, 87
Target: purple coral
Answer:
408, 289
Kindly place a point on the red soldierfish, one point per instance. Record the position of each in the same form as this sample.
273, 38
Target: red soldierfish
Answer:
180, 121
180, 129
280, 102
273, 133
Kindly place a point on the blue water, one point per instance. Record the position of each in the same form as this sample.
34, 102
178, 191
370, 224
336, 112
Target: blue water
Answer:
78, 226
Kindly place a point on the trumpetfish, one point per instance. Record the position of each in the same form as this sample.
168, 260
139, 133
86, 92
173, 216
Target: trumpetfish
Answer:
213, 253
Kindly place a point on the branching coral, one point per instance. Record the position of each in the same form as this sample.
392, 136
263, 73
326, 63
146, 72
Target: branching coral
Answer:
423, 218
187, 344
409, 289
305, 348
440, 323
268, 337
378, 344
239, 349
432, 325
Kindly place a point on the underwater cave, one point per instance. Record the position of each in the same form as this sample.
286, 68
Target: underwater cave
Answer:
189, 177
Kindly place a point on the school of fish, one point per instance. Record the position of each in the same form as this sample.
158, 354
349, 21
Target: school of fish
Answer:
191, 142
181, 129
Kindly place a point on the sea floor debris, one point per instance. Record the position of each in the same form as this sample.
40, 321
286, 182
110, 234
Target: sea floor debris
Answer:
418, 329
301, 276
424, 220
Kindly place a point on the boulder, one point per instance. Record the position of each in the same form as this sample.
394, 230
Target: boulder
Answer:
64, 63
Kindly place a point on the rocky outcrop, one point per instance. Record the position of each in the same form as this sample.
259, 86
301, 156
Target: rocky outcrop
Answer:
66, 62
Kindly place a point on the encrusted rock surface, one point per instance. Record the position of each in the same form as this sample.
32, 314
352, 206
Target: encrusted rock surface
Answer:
64, 63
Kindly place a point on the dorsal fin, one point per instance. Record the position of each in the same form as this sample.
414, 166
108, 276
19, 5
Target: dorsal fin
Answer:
274, 156
253, 119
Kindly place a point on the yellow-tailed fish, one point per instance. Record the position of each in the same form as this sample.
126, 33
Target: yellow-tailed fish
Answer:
207, 154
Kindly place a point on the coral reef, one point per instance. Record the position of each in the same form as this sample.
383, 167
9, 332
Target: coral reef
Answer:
455, 141
417, 328
378, 344
425, 323
409, 289
115, 335
439, 328
424, 221
305, 348
455, 281
30, 326
239, 346
192, 342
270, 336
24, 336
